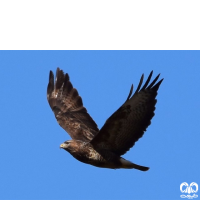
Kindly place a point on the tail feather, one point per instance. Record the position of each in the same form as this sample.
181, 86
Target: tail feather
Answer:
129, 165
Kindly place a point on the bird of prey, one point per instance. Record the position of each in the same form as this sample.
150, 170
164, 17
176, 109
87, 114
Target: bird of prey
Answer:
104, 147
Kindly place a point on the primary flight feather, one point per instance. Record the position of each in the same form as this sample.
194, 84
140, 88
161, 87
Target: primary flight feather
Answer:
104, 147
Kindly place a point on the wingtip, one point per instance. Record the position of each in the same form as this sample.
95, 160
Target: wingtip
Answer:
59, 78
50, 86
59, 72
157, 85
130, 93
50, 75
140, 83
58, 69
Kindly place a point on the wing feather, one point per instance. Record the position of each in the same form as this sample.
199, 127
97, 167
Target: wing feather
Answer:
130, 93
68, 108
130, 121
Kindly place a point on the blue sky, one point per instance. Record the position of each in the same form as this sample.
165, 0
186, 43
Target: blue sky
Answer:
33, 166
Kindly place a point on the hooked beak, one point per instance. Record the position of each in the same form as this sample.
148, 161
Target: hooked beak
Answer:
61, 146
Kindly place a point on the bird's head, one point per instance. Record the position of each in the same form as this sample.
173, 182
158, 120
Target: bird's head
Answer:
69, 145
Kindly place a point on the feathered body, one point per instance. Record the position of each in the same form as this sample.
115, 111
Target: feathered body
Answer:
104, 147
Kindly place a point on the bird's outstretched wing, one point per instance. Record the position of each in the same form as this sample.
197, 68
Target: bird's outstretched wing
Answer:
124, 127
68, 108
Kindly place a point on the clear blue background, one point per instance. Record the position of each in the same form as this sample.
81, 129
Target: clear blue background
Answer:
33, 167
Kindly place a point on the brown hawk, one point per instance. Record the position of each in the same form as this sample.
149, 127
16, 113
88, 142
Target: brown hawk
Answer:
104, 147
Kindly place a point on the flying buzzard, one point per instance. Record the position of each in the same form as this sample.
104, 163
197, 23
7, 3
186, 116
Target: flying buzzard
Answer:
104, 147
